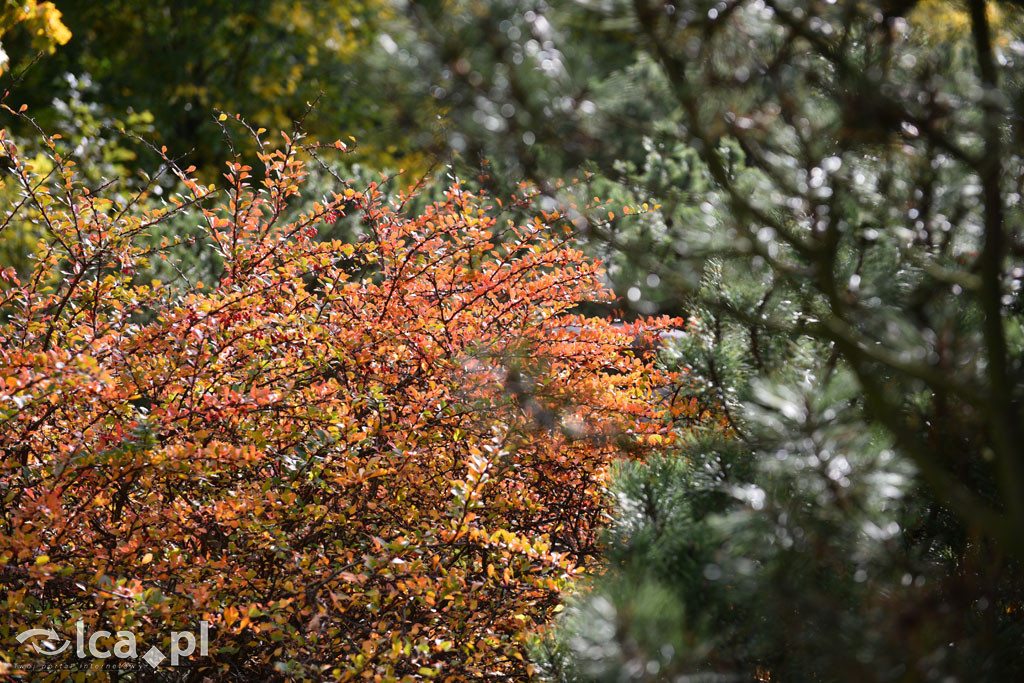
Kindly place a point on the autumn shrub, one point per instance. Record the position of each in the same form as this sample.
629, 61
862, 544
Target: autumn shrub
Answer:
379, 459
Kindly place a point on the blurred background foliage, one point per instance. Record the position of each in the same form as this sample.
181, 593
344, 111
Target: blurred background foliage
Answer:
838, 205
830, 193
39, 23
181, 61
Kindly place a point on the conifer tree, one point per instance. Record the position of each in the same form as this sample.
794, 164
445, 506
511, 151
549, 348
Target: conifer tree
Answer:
832, 195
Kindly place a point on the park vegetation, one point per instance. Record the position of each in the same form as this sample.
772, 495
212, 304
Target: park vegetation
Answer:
694, 349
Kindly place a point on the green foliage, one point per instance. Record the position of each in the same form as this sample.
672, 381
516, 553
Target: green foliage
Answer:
181, 61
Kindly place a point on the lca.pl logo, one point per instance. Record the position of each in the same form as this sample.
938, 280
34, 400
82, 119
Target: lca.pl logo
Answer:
46, 641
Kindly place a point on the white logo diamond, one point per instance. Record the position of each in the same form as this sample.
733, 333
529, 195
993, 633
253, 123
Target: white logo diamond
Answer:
153, 657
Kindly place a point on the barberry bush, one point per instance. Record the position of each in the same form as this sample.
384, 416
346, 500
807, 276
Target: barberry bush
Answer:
379, 459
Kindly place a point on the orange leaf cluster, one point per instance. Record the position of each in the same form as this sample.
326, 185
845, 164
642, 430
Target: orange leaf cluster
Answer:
374, 460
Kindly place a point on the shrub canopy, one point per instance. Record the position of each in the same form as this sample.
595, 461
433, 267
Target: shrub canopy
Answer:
376, 459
